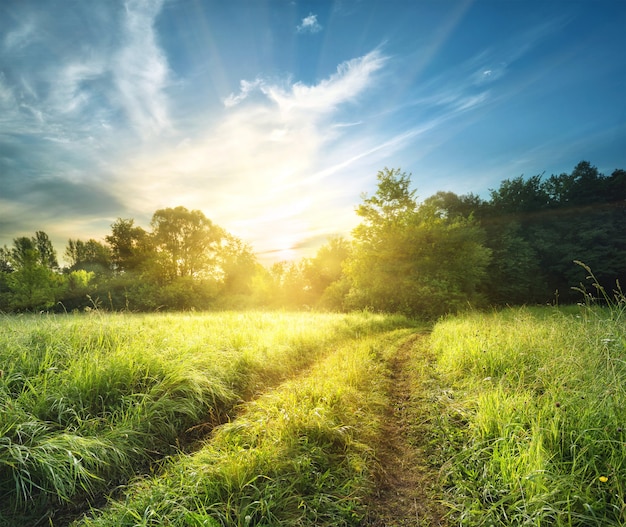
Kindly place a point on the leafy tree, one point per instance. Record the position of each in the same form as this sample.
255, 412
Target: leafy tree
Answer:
514, 275
33, 284
187, 243
538, 228
519, 196
23, 252
38, 247
5, 260
5, 269
130, 245
327, 266
90, 255
288, 286
238, 265
420, 260
47, 253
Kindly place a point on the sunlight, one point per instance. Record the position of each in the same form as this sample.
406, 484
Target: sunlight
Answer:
282, 246
285, 255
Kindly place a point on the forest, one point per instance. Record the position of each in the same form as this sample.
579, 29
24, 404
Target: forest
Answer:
418, 258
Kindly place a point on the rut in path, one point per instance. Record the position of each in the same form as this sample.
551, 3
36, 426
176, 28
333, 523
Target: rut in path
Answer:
406, 485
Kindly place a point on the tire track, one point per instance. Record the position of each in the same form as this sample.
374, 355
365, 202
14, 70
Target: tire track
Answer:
406, 485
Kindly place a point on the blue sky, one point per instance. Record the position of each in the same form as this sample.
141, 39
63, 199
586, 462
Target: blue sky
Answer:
274, 116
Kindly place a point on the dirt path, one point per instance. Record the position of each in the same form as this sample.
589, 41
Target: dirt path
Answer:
406, 486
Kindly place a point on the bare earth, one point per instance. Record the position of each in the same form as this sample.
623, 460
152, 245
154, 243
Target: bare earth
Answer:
406, 486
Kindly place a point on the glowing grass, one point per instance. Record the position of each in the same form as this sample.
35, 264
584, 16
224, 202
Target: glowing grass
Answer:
87, 401
297, 456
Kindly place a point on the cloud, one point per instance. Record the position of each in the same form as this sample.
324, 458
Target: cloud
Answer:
114, 72
140, 69
246, 88
318, 99
20, 36
271, 164
309, 24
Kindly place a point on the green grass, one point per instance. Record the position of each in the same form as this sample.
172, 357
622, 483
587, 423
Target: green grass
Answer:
533, 420
237, 419
297, 456
88, 401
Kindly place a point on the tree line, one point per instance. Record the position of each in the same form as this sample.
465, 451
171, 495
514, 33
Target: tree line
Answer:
418, 258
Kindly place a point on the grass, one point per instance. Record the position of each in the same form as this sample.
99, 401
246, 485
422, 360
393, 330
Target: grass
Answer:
533, 420
255, 419
88, 401
297, 456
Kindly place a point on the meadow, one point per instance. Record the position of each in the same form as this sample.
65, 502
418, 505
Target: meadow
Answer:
531, 419
89, 401
270, 419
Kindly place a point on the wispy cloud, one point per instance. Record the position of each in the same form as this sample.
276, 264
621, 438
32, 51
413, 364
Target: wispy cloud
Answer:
140, 69
309, 24
21, 35
115, 69
319, 99
246, 88
68, 106
262, 170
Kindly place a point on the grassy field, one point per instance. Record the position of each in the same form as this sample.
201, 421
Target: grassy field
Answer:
531, 417
270, 419
89, 401
299, 455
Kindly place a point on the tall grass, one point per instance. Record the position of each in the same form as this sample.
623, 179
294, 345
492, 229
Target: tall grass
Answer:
534, 421
88, 401
297, 456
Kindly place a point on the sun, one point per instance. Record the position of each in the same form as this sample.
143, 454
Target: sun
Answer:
286, 254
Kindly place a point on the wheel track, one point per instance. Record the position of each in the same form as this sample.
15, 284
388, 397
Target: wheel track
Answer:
406, 485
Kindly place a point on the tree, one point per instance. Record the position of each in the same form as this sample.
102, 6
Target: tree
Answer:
519, 196
514, 275
130, 245
90, 255
419, 260
6, 265
324, 273
538, 228
238, 265
34, 283
187, 243
47, 253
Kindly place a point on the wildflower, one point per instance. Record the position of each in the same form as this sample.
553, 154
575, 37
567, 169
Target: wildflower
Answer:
603, 479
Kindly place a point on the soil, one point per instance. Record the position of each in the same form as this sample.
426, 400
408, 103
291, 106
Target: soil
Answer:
406, 491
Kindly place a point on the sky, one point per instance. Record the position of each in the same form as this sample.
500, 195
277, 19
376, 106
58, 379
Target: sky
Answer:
273, 117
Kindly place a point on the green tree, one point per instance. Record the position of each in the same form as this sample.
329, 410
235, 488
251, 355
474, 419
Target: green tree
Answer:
130, 245
514, 275
324, 274
520, 196
5, 260
238, 265
90, 256
538, 228
34, 284
419, 260
187, 243
45, 250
